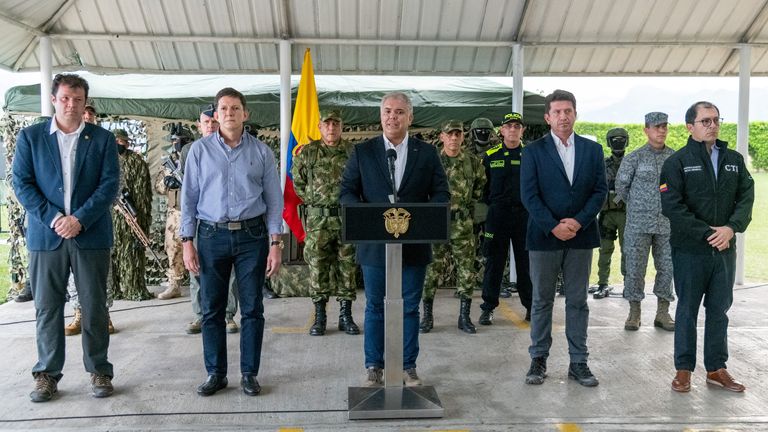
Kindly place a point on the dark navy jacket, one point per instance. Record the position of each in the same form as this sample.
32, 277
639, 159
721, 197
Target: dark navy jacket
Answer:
366, 179
39, 185
549, 197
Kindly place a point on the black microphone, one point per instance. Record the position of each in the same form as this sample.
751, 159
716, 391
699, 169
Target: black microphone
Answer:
391, 157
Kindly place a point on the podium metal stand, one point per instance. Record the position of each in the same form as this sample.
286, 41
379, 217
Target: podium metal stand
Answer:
382, 224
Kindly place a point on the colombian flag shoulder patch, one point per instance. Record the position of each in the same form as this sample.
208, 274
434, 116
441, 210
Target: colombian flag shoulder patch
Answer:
663, 187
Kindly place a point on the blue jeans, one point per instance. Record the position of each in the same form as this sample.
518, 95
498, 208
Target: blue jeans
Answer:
219, 250
711, 278
375, 287
545, 265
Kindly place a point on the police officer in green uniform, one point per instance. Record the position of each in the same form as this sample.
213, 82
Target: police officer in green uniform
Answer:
507, 218
613, 216
317, 171
466, 179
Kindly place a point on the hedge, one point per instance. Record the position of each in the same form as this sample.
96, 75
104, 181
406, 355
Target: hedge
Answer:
678, 135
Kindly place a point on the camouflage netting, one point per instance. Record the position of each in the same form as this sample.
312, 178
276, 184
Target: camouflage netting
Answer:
149, 137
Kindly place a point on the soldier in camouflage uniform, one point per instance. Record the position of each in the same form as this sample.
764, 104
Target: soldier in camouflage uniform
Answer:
613, 215
207, 125
316, 172
637, 184
507, 219
168, 183
129, 258
466, 179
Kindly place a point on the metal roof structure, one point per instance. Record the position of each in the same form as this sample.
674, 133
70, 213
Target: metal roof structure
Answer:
393, 37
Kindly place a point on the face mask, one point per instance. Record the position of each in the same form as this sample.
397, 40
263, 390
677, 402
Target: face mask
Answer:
481, 136
177, 145
121, 149
618, 145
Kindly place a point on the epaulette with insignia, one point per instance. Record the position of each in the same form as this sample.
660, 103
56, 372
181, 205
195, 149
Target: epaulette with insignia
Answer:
493, 150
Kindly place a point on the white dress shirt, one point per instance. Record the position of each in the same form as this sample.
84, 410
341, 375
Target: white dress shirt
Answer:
67, 151
567, 152
402, 156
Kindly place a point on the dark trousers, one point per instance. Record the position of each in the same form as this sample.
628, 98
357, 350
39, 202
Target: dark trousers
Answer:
576, 265
49, 272
219, 251
505, 224
708, 277
375, 287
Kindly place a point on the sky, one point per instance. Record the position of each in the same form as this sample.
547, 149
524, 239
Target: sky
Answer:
605, 99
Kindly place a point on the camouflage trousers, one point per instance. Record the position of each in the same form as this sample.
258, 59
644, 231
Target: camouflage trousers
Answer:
72, 290
129, 262
611, 228
460, 251
331, 265
176, 271
637, 246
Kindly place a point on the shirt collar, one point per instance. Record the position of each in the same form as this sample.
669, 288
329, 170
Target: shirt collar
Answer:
220, 139
570, 141
389, 144
55, 127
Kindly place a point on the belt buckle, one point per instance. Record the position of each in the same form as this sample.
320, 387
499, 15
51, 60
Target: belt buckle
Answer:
234, 226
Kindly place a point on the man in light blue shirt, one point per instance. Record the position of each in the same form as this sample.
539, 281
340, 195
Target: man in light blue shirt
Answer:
231, 197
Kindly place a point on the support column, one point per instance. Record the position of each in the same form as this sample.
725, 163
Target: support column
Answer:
285, 111
46, 75
517, 78
742, 139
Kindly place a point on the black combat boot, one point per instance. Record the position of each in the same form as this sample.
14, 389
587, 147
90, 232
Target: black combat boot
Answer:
465, 323
318, 328
25, 295
346, 323
427, 320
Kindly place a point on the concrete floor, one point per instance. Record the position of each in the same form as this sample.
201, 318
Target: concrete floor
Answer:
479, 378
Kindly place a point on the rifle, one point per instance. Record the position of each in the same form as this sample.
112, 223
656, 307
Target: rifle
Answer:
124, 207
173, 167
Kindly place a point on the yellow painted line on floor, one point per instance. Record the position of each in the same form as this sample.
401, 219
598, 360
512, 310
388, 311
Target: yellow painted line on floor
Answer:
290, 430
509, 314
568, 427
295, 330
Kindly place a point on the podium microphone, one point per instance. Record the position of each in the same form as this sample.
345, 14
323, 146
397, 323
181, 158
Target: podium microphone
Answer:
391, 157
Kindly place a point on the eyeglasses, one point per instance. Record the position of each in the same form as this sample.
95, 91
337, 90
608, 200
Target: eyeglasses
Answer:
707, 122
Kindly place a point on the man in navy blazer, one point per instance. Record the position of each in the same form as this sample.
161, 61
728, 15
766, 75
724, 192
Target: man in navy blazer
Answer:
563, 187
419, 177
65, 174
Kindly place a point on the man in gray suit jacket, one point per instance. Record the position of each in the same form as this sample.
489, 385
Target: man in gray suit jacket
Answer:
65, 174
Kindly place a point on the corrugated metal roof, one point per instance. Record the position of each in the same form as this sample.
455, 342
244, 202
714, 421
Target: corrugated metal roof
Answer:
403, 37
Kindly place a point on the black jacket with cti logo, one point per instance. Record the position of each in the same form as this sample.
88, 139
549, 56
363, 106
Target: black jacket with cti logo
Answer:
694, 199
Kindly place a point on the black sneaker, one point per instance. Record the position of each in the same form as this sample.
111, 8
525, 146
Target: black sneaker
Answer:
537, 372
45, 387
581, 373
506, 292
486, 318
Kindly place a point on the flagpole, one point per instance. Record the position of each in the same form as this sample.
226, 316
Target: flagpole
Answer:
285, 112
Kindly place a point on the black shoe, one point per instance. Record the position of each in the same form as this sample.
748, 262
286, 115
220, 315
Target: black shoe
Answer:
486, 317
25, 295
465, 323
537, 372
603, 291
250, 385
592, 289
318, 327
505, 292
213, 384
427, 318
346, 322
528, 315
581, 373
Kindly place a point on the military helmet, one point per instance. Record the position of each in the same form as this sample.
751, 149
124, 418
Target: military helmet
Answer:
617, 140
481, 123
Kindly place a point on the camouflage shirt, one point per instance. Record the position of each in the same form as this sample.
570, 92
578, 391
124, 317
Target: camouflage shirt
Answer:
612, 164
317, 171
637, 185
466, 180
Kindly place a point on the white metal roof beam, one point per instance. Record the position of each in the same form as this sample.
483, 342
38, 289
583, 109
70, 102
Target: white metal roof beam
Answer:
521, 22
21, 25
749, 35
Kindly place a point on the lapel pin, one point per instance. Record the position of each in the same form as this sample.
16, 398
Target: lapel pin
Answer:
87, 137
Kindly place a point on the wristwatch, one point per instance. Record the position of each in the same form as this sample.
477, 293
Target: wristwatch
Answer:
278, 243
186, 239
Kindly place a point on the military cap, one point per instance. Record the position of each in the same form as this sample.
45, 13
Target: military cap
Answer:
615, 133
452, 125
330, 114
482, 123
121, 133
655, 118
513, 117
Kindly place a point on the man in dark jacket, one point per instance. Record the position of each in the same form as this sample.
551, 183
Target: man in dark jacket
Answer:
707, 194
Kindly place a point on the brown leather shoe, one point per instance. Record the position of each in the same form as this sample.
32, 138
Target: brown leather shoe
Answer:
722, 378
682, 381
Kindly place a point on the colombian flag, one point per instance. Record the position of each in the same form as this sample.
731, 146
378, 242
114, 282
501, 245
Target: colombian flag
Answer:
304, 129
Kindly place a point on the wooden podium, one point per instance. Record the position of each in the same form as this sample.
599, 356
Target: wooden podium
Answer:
394, 225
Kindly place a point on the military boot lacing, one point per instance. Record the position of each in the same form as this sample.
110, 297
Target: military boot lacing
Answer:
465, 323
427, 320
318, 328
346, 322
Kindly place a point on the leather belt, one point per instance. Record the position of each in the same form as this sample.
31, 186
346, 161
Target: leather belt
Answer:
235, 225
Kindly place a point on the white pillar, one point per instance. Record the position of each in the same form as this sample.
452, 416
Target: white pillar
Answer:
742, 139
517, 78
285, 111
46, 75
